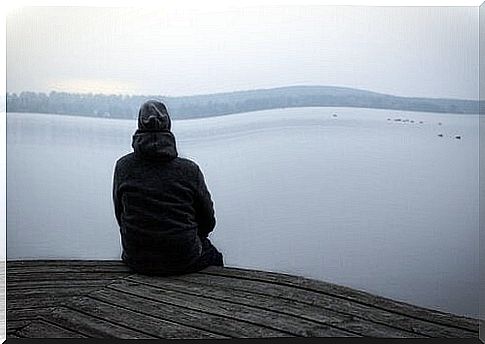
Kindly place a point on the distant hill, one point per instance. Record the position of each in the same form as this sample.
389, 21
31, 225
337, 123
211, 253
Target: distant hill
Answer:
197, 106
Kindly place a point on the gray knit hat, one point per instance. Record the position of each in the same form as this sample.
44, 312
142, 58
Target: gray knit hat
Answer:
153, 116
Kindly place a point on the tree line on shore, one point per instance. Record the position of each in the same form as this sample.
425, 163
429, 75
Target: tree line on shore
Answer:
126, 106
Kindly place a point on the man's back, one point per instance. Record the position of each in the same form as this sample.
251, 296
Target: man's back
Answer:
162, 205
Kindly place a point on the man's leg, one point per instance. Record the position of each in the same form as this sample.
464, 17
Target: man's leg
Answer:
210, 256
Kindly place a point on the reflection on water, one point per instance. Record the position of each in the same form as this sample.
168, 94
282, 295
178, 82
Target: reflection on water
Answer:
358, 199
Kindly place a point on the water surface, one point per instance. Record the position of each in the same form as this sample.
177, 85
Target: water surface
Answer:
381, 205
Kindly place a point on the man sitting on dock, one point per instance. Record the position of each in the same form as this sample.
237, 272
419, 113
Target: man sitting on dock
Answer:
162, 203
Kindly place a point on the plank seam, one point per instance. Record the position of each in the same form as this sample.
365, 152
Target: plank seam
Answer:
158, 317
63, 327
414, 331
63, 303
206, 312
310, 304
48, 309
348, 299
11, 288
245, 305
116, 324
20, 328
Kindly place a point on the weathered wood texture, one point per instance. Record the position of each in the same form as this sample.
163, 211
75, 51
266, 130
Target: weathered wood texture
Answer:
2, 299
100, 299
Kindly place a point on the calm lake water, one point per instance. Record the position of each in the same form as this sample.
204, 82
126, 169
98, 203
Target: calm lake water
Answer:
380, 205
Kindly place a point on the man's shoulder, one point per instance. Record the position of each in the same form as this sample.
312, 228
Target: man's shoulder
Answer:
185, 162
125, 159
129, 160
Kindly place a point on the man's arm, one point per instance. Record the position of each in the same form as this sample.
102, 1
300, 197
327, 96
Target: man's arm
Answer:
204, 207
116, 199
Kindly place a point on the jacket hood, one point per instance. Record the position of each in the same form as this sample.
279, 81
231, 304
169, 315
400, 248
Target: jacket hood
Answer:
153, 116
154, 145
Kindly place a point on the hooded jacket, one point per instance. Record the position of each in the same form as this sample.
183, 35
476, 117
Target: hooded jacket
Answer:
161, 201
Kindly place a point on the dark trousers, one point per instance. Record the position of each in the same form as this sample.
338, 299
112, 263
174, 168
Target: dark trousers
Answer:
209, 256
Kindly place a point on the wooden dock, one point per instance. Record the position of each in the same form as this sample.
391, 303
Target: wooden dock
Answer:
78, 299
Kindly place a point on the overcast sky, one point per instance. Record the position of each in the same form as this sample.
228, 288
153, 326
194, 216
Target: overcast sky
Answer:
409, 51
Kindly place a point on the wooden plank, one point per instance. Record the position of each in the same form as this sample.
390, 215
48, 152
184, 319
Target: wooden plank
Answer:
63, 262
209, 322
27, 313
321, 315
14, 326
350, 294
57, 284
92, 327
43, 297
329, 302
27, 269
35, 302
62, 276
48, 292
43, 329
136, 321
294, 326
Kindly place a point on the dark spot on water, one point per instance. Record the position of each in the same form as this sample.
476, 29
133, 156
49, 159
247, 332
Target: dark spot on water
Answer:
458, 137
440, 135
